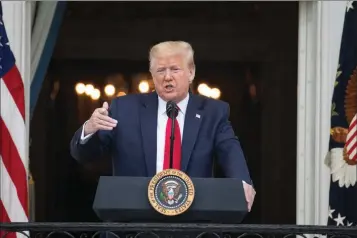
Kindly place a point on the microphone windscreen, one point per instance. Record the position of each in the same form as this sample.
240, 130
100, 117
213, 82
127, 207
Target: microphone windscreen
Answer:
171, 108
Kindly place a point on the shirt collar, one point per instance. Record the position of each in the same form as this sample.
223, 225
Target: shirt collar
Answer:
182, 105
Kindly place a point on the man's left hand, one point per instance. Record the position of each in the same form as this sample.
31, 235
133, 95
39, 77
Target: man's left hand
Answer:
249, 194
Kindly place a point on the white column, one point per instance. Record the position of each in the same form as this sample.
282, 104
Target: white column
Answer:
320, 30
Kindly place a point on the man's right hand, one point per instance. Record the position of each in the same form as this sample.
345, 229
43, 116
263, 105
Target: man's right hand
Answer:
100, 121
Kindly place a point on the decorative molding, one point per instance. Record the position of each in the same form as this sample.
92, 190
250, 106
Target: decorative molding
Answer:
320, 29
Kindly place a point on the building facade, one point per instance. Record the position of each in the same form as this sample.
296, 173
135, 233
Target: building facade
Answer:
319, 33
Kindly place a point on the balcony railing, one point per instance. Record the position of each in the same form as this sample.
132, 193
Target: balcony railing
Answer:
158, 230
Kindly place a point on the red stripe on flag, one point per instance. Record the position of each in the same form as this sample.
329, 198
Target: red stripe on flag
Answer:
354, 158
14, 84
352, 138
5, 218
353, 147
13, 165
351, 143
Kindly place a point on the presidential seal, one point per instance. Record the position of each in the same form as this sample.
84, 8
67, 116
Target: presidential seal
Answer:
171, 192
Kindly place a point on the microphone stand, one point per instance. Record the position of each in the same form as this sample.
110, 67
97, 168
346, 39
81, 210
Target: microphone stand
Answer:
172, 138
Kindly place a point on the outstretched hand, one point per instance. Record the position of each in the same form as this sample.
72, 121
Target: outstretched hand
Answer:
100, 120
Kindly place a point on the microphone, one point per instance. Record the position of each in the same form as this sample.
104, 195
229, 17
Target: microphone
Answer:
171, 108
172, 112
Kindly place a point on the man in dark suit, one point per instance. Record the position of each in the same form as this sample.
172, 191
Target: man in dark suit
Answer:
136, 129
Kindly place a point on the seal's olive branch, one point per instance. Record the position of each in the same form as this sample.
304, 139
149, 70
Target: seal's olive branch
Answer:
179, 204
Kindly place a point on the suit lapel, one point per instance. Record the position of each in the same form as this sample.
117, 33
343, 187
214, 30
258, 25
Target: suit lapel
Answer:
148, 122
193, 120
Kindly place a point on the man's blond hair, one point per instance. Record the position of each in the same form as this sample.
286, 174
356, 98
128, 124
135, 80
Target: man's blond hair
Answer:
168, 48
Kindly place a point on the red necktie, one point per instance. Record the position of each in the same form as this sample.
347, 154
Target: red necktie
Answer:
176, 164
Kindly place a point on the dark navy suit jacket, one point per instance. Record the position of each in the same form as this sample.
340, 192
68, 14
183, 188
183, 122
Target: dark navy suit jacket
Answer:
132, 143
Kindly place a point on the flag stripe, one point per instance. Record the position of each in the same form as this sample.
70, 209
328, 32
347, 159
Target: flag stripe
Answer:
10, 160
13, 120
351, 137
352, 153
9, 197
15, 86
352, 146
351, 140
5, 218
13, 159
351, 131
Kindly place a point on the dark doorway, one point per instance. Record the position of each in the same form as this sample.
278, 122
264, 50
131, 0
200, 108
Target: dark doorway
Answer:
246, 49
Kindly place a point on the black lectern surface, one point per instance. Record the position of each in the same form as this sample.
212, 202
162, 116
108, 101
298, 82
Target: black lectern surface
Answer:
125, 199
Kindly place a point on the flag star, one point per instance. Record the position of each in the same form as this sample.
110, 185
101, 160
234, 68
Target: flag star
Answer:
330, 211
349, 223
349, 5
339, 220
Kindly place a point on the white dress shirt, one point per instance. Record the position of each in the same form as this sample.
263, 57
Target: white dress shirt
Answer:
161, 129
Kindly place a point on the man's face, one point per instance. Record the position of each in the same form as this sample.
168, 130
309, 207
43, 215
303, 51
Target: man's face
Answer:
171, 76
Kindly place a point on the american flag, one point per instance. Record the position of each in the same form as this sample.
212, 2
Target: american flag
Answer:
13, 160
343, 138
